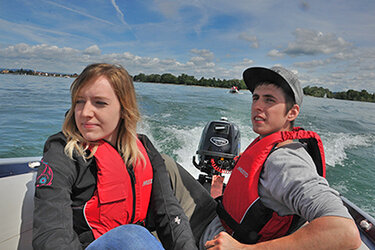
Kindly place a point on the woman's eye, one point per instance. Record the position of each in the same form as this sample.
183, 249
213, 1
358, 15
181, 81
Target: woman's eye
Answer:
101, 103
80, 101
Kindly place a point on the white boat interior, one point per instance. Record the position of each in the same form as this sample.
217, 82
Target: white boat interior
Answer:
17, 178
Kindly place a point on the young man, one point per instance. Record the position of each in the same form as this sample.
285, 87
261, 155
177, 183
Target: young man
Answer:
276, 182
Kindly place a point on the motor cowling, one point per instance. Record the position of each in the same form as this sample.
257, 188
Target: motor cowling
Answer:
218, 147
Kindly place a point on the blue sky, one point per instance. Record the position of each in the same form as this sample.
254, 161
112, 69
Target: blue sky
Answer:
328, 43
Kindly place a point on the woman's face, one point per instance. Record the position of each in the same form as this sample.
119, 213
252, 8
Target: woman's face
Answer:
97, 111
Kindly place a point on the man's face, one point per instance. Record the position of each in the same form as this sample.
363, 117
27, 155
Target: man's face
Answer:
268, 110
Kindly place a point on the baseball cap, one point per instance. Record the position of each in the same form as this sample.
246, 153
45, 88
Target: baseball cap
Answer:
277, 75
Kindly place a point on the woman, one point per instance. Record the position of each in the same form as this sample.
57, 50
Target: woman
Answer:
99, 174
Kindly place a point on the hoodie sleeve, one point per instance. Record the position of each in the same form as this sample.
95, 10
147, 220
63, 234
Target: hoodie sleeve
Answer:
172, 225
53, 215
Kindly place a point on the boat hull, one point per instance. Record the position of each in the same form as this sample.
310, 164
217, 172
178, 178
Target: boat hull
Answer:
17, 190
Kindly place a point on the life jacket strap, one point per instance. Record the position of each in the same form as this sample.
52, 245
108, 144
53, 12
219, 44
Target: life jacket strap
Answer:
240, 232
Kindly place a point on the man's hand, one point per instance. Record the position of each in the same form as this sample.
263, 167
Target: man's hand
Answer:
318, 234
224, 241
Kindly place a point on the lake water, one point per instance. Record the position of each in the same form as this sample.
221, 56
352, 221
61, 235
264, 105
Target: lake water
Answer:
173, 116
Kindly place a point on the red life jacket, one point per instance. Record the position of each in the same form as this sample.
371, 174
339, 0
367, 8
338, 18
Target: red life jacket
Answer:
242, 213
122, 195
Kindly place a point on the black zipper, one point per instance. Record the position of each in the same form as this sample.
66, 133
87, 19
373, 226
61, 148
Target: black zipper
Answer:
132, 179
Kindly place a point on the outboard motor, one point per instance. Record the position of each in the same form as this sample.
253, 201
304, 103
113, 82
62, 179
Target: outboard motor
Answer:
219, 145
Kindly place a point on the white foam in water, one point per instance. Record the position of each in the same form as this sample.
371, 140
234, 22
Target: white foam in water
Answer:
341, 188
144, 128
189, 141
335, 145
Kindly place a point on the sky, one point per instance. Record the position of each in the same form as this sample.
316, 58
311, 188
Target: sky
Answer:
327, 43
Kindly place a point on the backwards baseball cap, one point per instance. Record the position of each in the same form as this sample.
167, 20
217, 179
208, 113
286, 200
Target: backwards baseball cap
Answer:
276, 75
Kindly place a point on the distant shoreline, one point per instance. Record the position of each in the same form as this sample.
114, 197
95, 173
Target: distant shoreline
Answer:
184, 79
35, 73
350, 95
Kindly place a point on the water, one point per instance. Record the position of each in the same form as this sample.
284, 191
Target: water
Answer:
32, 108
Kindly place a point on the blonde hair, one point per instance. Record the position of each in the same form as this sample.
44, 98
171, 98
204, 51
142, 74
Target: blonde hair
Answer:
123, 87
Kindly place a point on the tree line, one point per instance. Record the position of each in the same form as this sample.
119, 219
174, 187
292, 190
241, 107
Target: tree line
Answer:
185, 79
353, 95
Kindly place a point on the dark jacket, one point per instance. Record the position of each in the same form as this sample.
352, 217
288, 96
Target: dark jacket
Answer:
63, 186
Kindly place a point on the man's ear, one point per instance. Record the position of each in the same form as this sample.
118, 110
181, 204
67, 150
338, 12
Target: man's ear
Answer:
293, 112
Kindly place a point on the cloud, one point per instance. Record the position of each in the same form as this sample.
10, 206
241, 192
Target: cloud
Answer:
237, 68
250, 38
119, 12
32, 32
79, 12
275, 53
203, 58
310, 42
168, 8
343, 56
311, 64
68, 60
92, 50
341, 71
204, 53
347, 57
43, 51
246, 62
